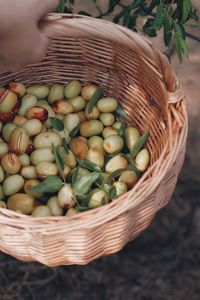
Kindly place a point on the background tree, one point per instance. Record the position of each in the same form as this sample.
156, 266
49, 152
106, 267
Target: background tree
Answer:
173, 16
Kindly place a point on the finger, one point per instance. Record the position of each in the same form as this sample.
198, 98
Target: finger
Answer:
14, 68
35, 47
5, 65
35, 56
39, 52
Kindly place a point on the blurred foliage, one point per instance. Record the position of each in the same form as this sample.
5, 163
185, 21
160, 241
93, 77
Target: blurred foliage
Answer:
171, 15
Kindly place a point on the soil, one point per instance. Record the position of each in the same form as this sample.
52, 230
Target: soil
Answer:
163, 263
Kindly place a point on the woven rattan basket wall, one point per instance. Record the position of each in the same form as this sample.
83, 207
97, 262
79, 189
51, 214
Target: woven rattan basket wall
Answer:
132, 70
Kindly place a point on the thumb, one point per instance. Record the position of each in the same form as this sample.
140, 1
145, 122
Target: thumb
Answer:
40, 51
46, 6
36, 55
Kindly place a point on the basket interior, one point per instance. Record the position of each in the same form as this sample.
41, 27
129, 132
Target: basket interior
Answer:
117, 69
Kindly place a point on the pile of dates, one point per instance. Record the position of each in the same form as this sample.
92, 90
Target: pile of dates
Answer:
65, 149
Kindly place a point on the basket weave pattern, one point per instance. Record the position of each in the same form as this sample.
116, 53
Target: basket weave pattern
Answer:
130, 69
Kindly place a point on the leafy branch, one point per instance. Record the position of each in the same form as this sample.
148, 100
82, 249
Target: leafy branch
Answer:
170, 15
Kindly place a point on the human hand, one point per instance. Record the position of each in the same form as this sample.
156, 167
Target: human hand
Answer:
21, 41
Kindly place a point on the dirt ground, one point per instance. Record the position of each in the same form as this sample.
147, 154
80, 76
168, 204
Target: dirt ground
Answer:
163, 263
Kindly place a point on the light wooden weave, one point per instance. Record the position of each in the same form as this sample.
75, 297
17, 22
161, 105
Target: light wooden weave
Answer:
133, 71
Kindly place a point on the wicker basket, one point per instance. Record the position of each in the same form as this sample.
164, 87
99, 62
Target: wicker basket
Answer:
132, 70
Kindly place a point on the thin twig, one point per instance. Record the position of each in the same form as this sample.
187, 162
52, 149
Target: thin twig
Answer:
192, 36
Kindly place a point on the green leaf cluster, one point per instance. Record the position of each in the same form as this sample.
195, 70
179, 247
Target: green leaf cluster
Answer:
172, 16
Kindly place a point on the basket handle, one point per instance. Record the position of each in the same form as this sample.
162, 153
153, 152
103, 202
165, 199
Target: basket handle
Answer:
68, 25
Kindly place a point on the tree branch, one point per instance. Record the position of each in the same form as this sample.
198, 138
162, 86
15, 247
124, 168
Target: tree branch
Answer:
192, 36
150, 13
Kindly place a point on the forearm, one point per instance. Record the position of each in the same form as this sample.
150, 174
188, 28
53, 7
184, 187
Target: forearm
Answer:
5, 17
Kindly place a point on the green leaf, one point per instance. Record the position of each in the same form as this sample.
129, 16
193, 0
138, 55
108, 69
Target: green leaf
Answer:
68, 10
51, 184
65, 145
148, 28
121, 112
94, 99
61, 7
112, 193
111, 5
153, 4
100, 180
180, 43
168, 11
139, 144
83, 183
167, 31
106, 187
82, 208
137, 3
121, 130
74, 175
185, 48
180, 30
127, 156
56, 124
110, 190
77, 173
177, 41
186, 8
85, 201
87, 164
151, 32
132, 21
58, 158
159, 19
126, 18
74, 131
143, 13
114, 174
